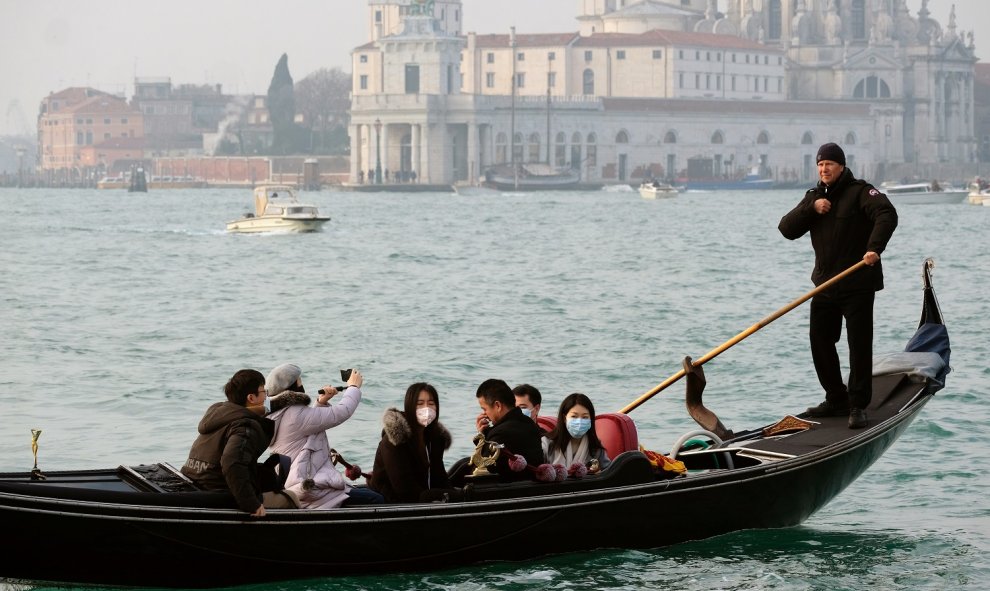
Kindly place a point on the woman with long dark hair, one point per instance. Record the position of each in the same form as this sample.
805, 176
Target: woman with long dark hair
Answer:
573, 439
409, 460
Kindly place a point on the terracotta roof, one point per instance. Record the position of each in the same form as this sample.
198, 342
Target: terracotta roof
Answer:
738, 107
77, 93
661, 37
498, 41
102, 104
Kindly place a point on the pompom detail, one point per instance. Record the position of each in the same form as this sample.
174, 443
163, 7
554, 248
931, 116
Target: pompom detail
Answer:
517, 463
353, 472
561, 472
577, 470
545, 473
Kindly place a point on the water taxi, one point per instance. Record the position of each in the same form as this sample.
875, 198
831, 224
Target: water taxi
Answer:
278, 210
656, 189
922, 193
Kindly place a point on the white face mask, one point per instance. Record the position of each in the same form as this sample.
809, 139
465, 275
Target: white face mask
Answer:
426, 415
527, 412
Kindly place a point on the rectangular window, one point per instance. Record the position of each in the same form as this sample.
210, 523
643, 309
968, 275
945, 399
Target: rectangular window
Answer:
697, 56
587, 56
552, 79
378, 16
708, 81
520, 80
780, 85
766, 60
490, 80
123, 121
551, 56
657, 54
680, 80
79, 138
697, 81
364, 82
621, 54
89, 122
363, 59
412, 79
733, 58
490, 58
106, 136
708, 56
520, 57
718, 83
89, 138
733, 83
79, 121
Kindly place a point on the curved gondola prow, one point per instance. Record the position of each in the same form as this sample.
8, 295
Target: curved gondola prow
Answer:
932, 335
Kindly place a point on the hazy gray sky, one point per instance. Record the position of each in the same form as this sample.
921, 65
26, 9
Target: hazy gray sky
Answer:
53, 44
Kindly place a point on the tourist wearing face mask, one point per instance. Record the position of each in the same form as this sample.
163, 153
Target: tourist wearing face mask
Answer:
301, 434
409, 460
232, 436
573, 440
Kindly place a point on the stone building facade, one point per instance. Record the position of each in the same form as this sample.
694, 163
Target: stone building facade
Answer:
646, 87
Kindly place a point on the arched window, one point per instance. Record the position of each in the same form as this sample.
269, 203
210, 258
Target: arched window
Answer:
774, 17
560, 150
850, 139
807, 138
576, 138
763, 138
501, 148
534, 147
871, 87
622, 137
517, 147
589, 81
592, 154
718, 138
670, 138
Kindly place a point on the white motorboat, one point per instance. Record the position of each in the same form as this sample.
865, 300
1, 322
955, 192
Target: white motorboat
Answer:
922, 193
978, 191
278, 210
657, 189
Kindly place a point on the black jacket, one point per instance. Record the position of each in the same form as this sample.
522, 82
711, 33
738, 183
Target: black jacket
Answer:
521, 436
862, 219
399, 473
225, 454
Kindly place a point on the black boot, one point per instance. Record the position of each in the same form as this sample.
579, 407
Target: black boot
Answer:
827, 409
857, 418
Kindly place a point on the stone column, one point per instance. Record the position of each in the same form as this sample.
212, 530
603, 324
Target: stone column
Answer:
385, 145
473, 159
355, 131
425, 153
416, 165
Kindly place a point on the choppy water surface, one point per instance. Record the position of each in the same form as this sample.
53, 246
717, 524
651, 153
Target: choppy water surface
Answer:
123, 315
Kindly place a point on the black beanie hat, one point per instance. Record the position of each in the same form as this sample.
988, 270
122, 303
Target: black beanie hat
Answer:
833, 152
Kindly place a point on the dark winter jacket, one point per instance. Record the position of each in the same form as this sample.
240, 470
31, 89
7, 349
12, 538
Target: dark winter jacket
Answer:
225, 454
521, 436
399, 473
861, 220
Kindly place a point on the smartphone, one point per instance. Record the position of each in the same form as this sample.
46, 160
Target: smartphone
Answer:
345, 374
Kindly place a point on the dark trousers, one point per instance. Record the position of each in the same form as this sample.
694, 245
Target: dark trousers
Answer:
827, 312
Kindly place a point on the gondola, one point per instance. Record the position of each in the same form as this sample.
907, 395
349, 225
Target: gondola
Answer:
146, 526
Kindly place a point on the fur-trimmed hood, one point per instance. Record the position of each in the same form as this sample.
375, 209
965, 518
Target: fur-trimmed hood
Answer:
289, 398
398, 431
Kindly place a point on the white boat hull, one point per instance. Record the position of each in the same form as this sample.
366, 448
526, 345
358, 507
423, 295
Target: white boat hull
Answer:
922, 198
254, 225
657, 193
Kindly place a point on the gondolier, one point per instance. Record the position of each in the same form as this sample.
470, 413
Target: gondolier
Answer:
849, 220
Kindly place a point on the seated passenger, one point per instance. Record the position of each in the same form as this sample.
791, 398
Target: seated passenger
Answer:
573, 440
409, 460
301, 434
505, 423
528, 400
232, 436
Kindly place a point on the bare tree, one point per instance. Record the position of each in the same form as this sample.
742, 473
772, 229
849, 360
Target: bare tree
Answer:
323, 99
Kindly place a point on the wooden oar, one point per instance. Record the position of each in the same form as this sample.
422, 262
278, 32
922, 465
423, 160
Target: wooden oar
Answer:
729, 343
